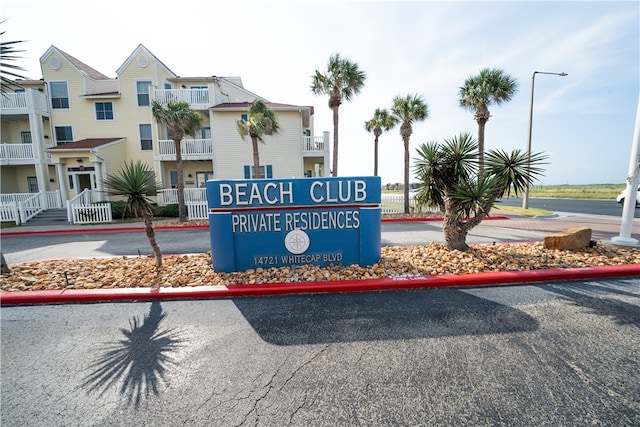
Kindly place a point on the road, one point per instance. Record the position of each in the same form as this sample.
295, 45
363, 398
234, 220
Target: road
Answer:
553, 354
587, 207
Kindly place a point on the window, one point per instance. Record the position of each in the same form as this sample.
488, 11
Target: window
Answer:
142, 89
244, 117
173, 178
64, 135
248, 171
146, 141
59, 95
104, 111
203, 133
32, 184
202, 178
25, 137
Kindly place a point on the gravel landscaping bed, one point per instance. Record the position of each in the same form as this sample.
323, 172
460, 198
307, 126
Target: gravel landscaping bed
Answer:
412, 261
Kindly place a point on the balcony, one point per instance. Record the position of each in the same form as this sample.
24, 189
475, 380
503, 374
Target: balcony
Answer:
197, 98
29, 101
191, 149
315, 145
13, 154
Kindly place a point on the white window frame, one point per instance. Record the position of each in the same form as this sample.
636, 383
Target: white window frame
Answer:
55, 131
52, 84
148, 93
113, 114
145, 139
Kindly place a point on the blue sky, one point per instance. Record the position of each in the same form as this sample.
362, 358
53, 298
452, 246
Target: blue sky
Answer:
584, 122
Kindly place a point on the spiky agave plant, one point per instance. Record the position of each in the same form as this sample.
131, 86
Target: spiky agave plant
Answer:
135, 181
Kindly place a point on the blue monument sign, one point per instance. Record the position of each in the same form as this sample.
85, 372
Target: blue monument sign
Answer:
266, 223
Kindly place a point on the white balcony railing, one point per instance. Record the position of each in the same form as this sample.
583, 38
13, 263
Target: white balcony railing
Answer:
29, 100
11, 151
195, 97
189, 148
317, 144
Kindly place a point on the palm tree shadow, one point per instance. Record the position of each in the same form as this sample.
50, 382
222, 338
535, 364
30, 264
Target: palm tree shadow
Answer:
138, 362
593, 299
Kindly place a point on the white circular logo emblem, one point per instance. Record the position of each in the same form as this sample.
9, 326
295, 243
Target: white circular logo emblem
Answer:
296, 241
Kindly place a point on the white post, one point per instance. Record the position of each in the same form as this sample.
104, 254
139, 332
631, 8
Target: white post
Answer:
632, 189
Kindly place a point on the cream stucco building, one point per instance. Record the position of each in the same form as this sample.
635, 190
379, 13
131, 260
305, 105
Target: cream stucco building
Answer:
63, 134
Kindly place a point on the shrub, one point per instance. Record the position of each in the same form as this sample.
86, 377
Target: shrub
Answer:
167, 211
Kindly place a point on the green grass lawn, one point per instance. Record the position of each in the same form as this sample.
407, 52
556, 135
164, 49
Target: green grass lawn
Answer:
591, 192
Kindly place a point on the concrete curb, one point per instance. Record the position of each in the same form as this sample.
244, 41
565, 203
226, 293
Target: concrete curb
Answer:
232, 291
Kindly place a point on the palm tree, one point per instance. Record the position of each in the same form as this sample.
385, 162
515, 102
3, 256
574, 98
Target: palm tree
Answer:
491, 86
261, 121
448, 178
381, 121
342, 80
407, 110
136, 181
182, 121
8, 54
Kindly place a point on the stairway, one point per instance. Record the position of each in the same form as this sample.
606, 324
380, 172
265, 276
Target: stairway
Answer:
50, 217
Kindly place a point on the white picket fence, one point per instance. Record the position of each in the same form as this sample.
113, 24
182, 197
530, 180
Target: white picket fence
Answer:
21, 207
393, 203
197, 210
86, 208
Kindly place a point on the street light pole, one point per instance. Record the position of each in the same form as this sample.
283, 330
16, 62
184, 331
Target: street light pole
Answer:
525, 199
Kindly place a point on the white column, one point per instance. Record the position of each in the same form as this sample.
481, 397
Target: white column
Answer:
631, 191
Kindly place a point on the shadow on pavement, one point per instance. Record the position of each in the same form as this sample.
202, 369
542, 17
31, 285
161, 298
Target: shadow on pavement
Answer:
137, 363
374, 316
622, 312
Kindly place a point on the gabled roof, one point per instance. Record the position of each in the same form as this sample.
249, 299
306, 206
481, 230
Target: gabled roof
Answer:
145, 51
81, 66
85, 144
241, 106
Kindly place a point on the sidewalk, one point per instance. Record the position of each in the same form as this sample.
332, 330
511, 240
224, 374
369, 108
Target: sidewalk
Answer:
497, 227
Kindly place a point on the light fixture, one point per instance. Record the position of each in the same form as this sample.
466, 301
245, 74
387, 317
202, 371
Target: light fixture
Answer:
52, 180
79, 160
525, 199
190, 176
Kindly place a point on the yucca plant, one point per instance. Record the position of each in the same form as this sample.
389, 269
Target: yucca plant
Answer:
449, 178
135, 181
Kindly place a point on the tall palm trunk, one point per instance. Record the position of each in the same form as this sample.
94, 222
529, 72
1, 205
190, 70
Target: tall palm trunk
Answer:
406, 175
481, 116
182, 217
256, 157
151, 235
375, 155
334, 171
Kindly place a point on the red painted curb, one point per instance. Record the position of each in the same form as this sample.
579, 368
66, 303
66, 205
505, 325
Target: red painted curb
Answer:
420, 282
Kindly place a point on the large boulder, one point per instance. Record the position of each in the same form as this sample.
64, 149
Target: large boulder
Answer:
573, 238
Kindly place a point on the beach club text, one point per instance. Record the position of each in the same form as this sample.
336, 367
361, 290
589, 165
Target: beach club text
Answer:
268, 223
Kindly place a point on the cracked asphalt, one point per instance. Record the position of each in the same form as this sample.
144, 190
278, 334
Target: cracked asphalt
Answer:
564, 353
